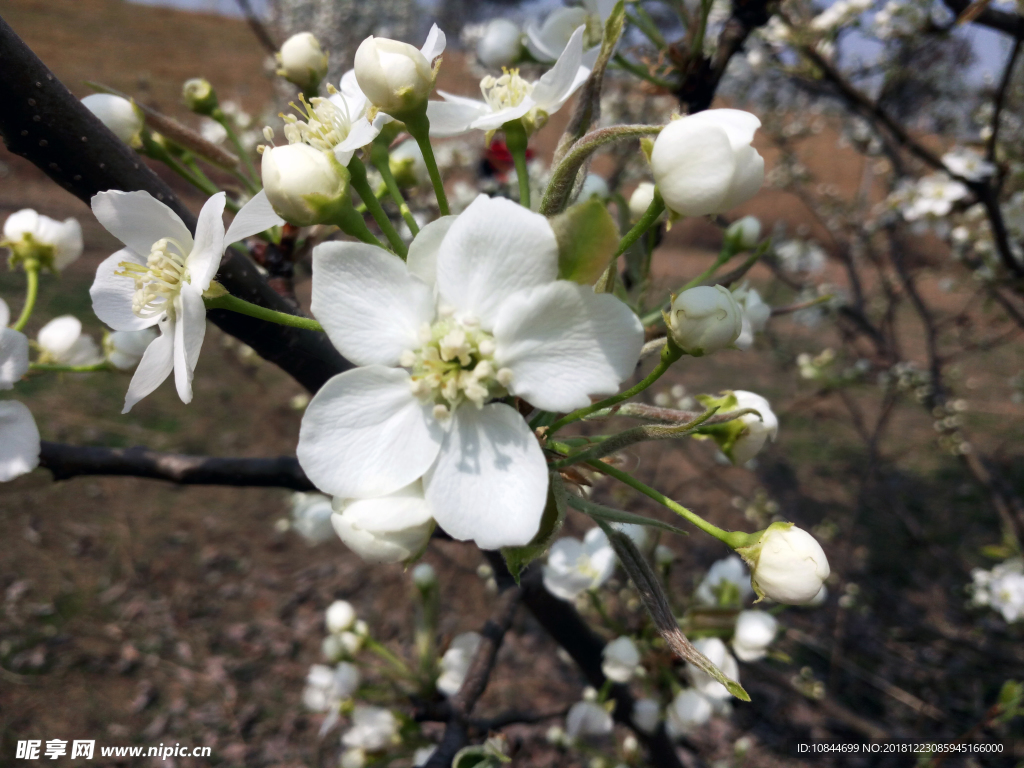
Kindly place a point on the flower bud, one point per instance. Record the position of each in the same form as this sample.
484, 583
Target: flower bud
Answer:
756, 429
408, 166
424, 576
395, 76
501, 45
641, 200
587, 718
704, 163
62, 342
593, 185
122, 117
124, 349
389, 529
787, 564
646, 715
664, 555
199, 96
688, 710
754, 632
34, 238
755, 314
620, 660
744, 234
704, 319
340, 616
302, 61
304, 185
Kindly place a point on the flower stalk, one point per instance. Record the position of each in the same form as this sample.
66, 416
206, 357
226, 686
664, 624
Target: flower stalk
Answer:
243, 307
379, 158
359, 181
515, 140
31, 291
419, 128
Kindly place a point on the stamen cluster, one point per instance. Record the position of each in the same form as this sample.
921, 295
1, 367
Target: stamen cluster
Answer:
159, 282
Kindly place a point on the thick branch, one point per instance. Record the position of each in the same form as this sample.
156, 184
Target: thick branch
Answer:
1003, 21
42, 121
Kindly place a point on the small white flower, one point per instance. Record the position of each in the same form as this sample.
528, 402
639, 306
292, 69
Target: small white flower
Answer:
756, 429
395, 76
326, 688
304, 185
510, 97
755, 314
719, 655
801, 256
968, 164
641, 200
787, 564
456, 662
688, 710
933, 196
620, 659
340, 616
475, 314
124, 349
159, 279
705, 319
311, 517
754, 632
62, 342
122, 117
1001, 588
13, 351
587, 718
501, 44
573, 566
386, 529
704, 163
728, 574
55, 244
646, 715
373, 729
19, 440
744, 233
302, 61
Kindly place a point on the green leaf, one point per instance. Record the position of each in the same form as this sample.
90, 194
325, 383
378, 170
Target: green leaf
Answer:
610, 515
587, 238
517, 558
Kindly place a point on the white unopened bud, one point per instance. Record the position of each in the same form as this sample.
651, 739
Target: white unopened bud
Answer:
302, 61
501, 45
389, 529
757, 429
754, 632
641, 200
620, 659
304, 185
340, 616
587, 718
124, 349
593, 185
395, 76
704, 163
743, 234
424, 576
122, 117
689, 710
787, 564
663, 555
705, 319
199, 96
646, 715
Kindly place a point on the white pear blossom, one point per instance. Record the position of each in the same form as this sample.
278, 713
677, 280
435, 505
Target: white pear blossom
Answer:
30, 234
641, 200
719, 655
19, 440
705, 319
124, 349
159, 279
13, 351
395, 76
620, 659
757, 430
456, 662
755, 314
727, 574
704, 163
587, 718
754, 632
646, 715
311, 517
392, 528
340, 616
373, 729
501, 44
1001, 588
122, 117
787, 564
573, 566
303, 62
968, 164
326, 688
930, 196
62, 342
689, 710
547, 41
801, 256
304, 185
511, 97
473, 316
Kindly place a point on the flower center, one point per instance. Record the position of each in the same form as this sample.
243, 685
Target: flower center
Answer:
325, 127
506, 91
455, 363
159, 282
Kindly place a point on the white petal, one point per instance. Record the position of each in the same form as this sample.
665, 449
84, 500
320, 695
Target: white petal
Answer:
58, 335
360, 134
19, 440
13, 357
255, 216
496, 247
112, 294
369, 304
492, 121
490, 482
739, 125
155, 366
693, 166
68, 244
747, 180
189, 331
5, 314
355, 99
547, 42
422, 259
450, 118
138, 220
434, 45
83, 352
365, 435
19, 223
564, 343
387, 529
552, 90
204, 260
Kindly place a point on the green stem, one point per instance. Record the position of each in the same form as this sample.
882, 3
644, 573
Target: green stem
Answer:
726, 253
374, 647
515, 140
357, 172
253, 176
158, 152
382, 162
641, 72
651, 215
419, 128
669, 355
243, 307
104, 366
31, 291
350, 221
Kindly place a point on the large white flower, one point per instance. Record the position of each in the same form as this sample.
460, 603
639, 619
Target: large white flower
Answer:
55, 243
19, 440
61, 341
159, 278
477, 314
510, 97
547, 41
13, 351
574, 566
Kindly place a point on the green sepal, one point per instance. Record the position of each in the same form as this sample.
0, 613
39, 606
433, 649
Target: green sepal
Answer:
587, 237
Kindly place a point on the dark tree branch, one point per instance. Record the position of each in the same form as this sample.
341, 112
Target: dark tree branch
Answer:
1002, 21
42, 121
257, 26
67, 461
1000, 100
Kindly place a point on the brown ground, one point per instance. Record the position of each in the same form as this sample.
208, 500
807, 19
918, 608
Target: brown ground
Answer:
140, 613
